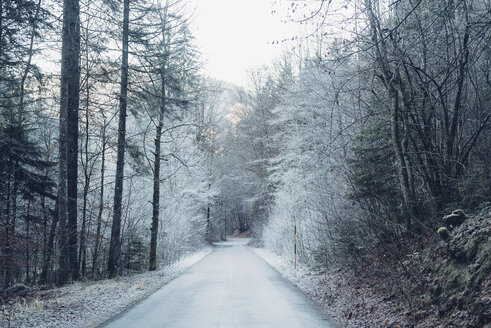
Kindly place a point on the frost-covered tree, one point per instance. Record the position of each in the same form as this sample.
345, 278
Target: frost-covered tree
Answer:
377, 133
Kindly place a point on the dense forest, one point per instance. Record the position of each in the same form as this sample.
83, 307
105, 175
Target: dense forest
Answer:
119, 155
91, 144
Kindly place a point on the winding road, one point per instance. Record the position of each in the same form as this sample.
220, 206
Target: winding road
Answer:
231, 287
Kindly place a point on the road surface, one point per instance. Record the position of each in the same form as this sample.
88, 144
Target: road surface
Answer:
231, 287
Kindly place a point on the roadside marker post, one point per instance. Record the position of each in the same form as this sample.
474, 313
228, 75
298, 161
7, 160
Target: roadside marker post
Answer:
295, 245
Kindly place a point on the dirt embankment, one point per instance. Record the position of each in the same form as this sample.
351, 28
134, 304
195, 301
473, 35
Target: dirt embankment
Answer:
455, 286
446, 283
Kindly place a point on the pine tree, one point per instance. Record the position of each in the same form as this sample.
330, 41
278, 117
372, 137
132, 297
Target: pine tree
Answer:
21, 167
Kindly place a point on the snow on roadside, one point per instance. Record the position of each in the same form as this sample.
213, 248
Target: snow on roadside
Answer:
344, 300
88, 304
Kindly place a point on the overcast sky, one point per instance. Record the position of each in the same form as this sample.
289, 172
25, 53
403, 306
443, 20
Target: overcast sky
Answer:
236, 35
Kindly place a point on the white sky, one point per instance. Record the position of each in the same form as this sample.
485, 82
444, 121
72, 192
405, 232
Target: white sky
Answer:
233, 36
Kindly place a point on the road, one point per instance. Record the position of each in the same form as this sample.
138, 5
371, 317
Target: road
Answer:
231, 287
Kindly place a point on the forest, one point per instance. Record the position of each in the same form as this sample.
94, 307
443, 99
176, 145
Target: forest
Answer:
119, 155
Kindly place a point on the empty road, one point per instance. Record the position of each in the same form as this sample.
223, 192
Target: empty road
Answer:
231, 287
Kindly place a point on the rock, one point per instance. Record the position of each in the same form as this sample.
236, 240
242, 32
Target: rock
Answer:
444, 233
455, 219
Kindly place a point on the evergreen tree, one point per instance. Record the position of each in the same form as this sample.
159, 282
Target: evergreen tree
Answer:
21, 177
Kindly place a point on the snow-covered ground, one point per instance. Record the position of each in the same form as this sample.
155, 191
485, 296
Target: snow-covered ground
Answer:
88, 304
344, 300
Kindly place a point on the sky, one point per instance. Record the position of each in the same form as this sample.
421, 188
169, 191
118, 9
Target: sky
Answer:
236, 36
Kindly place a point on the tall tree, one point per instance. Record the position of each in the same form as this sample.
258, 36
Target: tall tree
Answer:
115, 244
98, 235
171, 70
68, 138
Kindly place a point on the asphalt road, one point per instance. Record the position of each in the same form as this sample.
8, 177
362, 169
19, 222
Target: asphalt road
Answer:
231, 287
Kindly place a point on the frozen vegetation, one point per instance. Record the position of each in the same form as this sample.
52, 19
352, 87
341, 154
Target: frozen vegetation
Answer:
88, 304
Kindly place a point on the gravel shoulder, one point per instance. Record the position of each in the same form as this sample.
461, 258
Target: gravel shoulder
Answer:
88, 304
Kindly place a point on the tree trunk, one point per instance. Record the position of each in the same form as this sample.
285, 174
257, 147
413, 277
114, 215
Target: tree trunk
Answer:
68, 163
7, 238
208, 223
61, 200
156, 197
28, 228
402, 165
101, 203
45, 228
49, 249
73, 52
48, 239
83, 246
395, 115
115, 244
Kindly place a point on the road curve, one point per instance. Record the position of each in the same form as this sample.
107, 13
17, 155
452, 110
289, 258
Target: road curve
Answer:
231, 287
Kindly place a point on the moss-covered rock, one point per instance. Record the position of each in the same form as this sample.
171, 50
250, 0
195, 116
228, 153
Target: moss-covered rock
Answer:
443, 233
455, 219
